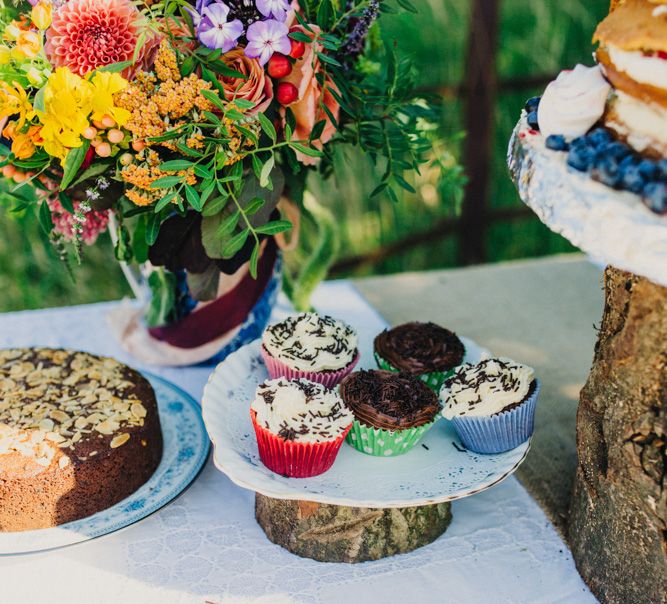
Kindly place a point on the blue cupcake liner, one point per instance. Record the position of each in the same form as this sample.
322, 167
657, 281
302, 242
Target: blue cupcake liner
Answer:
501, 432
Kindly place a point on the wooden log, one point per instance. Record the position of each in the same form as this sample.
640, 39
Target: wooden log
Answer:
334, 533
618, 519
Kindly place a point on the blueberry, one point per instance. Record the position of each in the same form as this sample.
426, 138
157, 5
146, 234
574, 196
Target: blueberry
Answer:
532, 104
605, 169
648, 169
557, 142
599, 136
631, 176
662, 170
655, 197
616, 150
580, 157
532, 120
580, 142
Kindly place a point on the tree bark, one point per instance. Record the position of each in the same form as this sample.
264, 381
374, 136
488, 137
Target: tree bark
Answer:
618, 518
334, 533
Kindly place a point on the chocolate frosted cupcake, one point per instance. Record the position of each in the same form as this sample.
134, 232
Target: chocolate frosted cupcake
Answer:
392, 411
491, 404
311, 346
425, 350
300, 426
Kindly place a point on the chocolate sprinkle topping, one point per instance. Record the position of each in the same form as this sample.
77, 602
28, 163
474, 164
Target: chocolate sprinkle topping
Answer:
341, 337
420, 348
388, 400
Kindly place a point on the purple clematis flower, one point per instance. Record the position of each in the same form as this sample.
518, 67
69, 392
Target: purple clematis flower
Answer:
276, 9
214, 31
265, 38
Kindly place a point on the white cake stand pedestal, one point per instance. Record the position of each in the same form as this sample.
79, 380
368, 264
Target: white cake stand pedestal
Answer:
618, 519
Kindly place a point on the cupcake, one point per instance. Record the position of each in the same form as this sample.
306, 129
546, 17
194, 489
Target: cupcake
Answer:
392, 411
300, 426
491, 404
311, 346
425, 350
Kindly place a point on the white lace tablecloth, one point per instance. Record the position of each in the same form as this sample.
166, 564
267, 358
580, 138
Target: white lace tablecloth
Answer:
206, 546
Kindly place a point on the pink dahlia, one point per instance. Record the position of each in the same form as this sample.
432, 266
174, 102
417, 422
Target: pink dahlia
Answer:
86, 34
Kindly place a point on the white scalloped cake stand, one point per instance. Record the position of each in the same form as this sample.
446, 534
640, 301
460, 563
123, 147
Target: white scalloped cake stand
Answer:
437, 470
613, 227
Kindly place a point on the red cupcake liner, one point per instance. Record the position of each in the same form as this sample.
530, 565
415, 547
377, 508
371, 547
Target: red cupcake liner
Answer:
278, 369
295, 459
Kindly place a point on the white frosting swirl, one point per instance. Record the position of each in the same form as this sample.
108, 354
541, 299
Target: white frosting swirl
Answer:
645, 69
486, 388
573, 102
310, 342
300, 410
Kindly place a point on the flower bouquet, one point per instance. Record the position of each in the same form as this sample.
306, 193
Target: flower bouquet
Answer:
189, 131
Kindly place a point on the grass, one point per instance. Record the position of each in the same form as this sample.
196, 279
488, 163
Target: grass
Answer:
536, 37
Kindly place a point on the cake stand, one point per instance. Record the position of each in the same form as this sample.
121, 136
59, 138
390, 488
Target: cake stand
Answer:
364, 507
618, 517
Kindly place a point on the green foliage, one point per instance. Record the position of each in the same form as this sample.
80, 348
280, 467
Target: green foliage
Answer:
163, 298
301, 285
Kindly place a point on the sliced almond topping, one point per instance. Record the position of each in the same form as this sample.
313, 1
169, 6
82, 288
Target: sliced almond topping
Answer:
63, 462
119, 440
138, 410
46, 425
59, 416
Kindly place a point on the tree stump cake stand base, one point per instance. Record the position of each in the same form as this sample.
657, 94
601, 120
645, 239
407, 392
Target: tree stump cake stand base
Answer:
618, 518
337, 533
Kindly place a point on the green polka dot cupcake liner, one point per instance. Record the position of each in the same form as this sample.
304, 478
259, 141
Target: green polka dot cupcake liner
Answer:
384, 443
434, 380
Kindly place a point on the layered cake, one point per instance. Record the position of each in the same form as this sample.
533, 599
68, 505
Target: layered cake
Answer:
609, 121
632, 52
78, 433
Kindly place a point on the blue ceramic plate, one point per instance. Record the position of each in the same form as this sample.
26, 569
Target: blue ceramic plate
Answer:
186, 448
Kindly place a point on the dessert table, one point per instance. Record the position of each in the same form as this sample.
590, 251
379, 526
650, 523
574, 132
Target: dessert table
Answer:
206, 546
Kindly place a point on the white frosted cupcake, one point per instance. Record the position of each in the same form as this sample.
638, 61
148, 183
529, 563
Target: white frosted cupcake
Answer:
491, 404
300, 426
311, 346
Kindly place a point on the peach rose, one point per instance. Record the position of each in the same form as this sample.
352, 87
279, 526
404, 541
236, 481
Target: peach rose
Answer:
257, 88
306, 109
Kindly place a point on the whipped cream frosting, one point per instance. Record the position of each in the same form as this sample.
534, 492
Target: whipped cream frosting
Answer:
573, 102
486, 388
643, 125
301, 410
311, 342
645, 69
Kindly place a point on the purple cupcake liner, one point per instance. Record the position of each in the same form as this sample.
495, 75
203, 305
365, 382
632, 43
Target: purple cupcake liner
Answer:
501, 432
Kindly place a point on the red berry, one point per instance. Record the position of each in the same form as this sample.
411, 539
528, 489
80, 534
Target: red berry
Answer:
297, 50
279, 66
662, 54
286, 93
